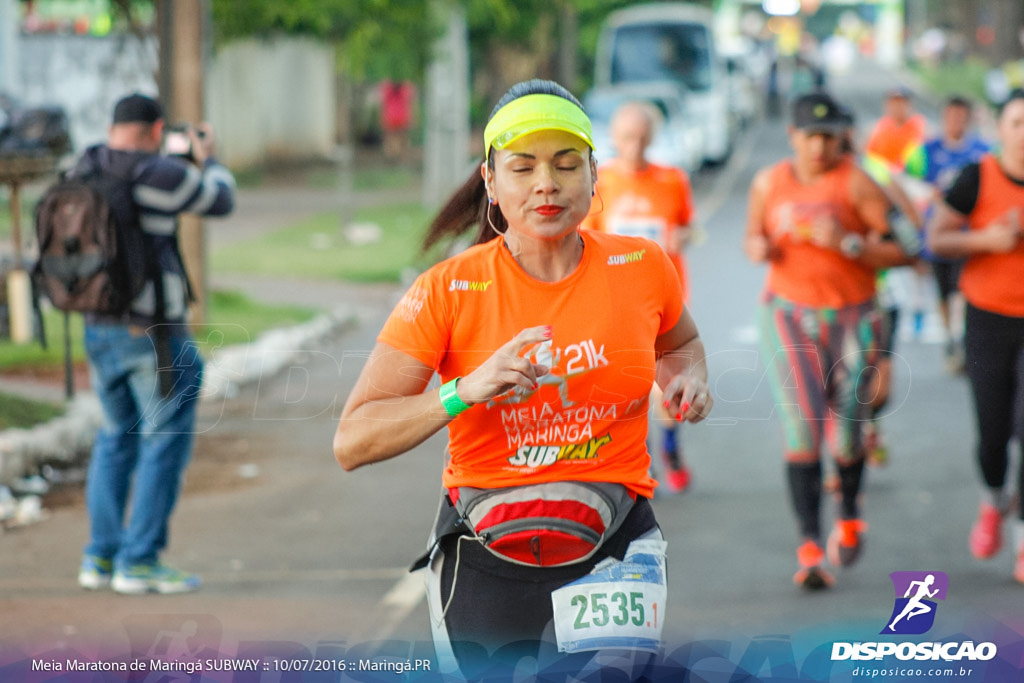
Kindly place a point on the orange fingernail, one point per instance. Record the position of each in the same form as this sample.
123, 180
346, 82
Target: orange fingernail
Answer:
685, 407
665, 405
548, 331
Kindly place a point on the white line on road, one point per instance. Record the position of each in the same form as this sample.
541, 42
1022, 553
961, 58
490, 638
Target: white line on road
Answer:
709, 204
397, 603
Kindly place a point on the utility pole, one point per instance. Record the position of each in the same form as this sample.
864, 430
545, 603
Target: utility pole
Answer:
446, 143
183, 30
568, 29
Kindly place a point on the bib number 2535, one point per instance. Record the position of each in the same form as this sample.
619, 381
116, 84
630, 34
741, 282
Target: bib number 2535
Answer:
617, 605
618, 608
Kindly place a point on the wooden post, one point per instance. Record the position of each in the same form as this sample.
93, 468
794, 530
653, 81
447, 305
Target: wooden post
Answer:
19, 290
182, 35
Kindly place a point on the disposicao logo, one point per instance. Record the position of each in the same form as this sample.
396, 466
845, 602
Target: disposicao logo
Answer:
913, 613
914, 610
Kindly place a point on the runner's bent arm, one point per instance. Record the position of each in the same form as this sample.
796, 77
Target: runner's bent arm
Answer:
682, 371
873, 208
946, 238
389, 413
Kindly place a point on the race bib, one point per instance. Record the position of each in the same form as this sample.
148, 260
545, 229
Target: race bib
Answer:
651, 228
617, 605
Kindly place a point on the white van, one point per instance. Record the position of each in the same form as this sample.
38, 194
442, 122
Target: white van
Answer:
671, 41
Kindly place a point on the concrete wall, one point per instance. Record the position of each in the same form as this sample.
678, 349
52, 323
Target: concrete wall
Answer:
272, 100
268, 100
86, 76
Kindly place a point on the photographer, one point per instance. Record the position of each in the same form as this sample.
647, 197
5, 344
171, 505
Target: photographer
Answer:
147, 434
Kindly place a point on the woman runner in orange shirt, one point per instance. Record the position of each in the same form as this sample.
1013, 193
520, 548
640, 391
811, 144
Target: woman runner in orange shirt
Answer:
817, 220
547, 341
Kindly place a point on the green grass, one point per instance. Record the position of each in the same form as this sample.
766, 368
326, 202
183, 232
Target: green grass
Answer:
234, 318
18, 356
317, 248
956, 78
365, 176
385, 177
19, 412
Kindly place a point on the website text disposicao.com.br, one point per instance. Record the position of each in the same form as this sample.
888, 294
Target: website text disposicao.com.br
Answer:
950, 659
902, 672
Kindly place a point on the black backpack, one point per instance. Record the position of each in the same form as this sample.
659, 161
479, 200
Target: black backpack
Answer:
93, 254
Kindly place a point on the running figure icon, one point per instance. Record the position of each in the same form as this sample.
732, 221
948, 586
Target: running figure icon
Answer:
915, 606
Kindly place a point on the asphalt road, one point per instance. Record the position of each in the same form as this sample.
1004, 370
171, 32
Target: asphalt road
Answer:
300, 558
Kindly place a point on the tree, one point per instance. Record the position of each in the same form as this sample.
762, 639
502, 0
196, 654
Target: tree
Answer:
374, 38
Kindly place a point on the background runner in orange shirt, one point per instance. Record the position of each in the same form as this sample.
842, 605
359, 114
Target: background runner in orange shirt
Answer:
989, 197
899, 133
636, 197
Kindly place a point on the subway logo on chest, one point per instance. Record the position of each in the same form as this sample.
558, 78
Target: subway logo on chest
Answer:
457, 285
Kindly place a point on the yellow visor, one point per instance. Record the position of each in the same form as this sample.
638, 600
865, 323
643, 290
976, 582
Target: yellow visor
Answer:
532, 113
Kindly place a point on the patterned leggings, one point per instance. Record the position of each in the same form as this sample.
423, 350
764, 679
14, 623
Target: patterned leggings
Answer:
819, 363
819, 367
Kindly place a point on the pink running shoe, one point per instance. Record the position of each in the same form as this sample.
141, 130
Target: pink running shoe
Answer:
987, 533
678, 480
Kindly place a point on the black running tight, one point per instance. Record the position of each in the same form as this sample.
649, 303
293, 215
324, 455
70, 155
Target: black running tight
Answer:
994, 350
805, 491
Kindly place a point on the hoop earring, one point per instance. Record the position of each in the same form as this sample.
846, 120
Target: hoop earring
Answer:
490, 222
502, 235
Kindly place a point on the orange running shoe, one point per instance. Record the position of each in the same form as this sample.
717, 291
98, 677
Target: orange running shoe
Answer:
811, 576
987, 533
846, 542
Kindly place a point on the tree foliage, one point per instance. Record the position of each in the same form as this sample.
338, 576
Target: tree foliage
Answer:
375, 38
392, 38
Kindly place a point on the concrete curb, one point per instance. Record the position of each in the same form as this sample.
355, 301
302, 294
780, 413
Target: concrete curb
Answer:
67, 439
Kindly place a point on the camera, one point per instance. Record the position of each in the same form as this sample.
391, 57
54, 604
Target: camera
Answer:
177, 142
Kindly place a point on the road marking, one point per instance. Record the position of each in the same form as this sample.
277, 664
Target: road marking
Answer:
745, 334
722, 187
397, 604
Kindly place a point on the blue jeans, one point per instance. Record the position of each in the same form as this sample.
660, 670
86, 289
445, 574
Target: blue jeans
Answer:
145, 442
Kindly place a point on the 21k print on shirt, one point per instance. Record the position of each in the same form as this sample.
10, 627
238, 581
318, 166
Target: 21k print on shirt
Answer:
587, 418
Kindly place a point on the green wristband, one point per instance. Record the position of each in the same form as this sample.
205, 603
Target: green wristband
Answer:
453, 405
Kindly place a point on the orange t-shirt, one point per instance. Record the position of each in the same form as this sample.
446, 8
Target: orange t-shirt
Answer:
588, 419
650, 203
993, 282
803, 272
895, 142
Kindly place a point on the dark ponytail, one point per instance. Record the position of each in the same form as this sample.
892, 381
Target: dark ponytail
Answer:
468, 206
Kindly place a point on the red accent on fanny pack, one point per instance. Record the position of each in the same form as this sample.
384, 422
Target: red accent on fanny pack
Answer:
542, 548
561, 509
